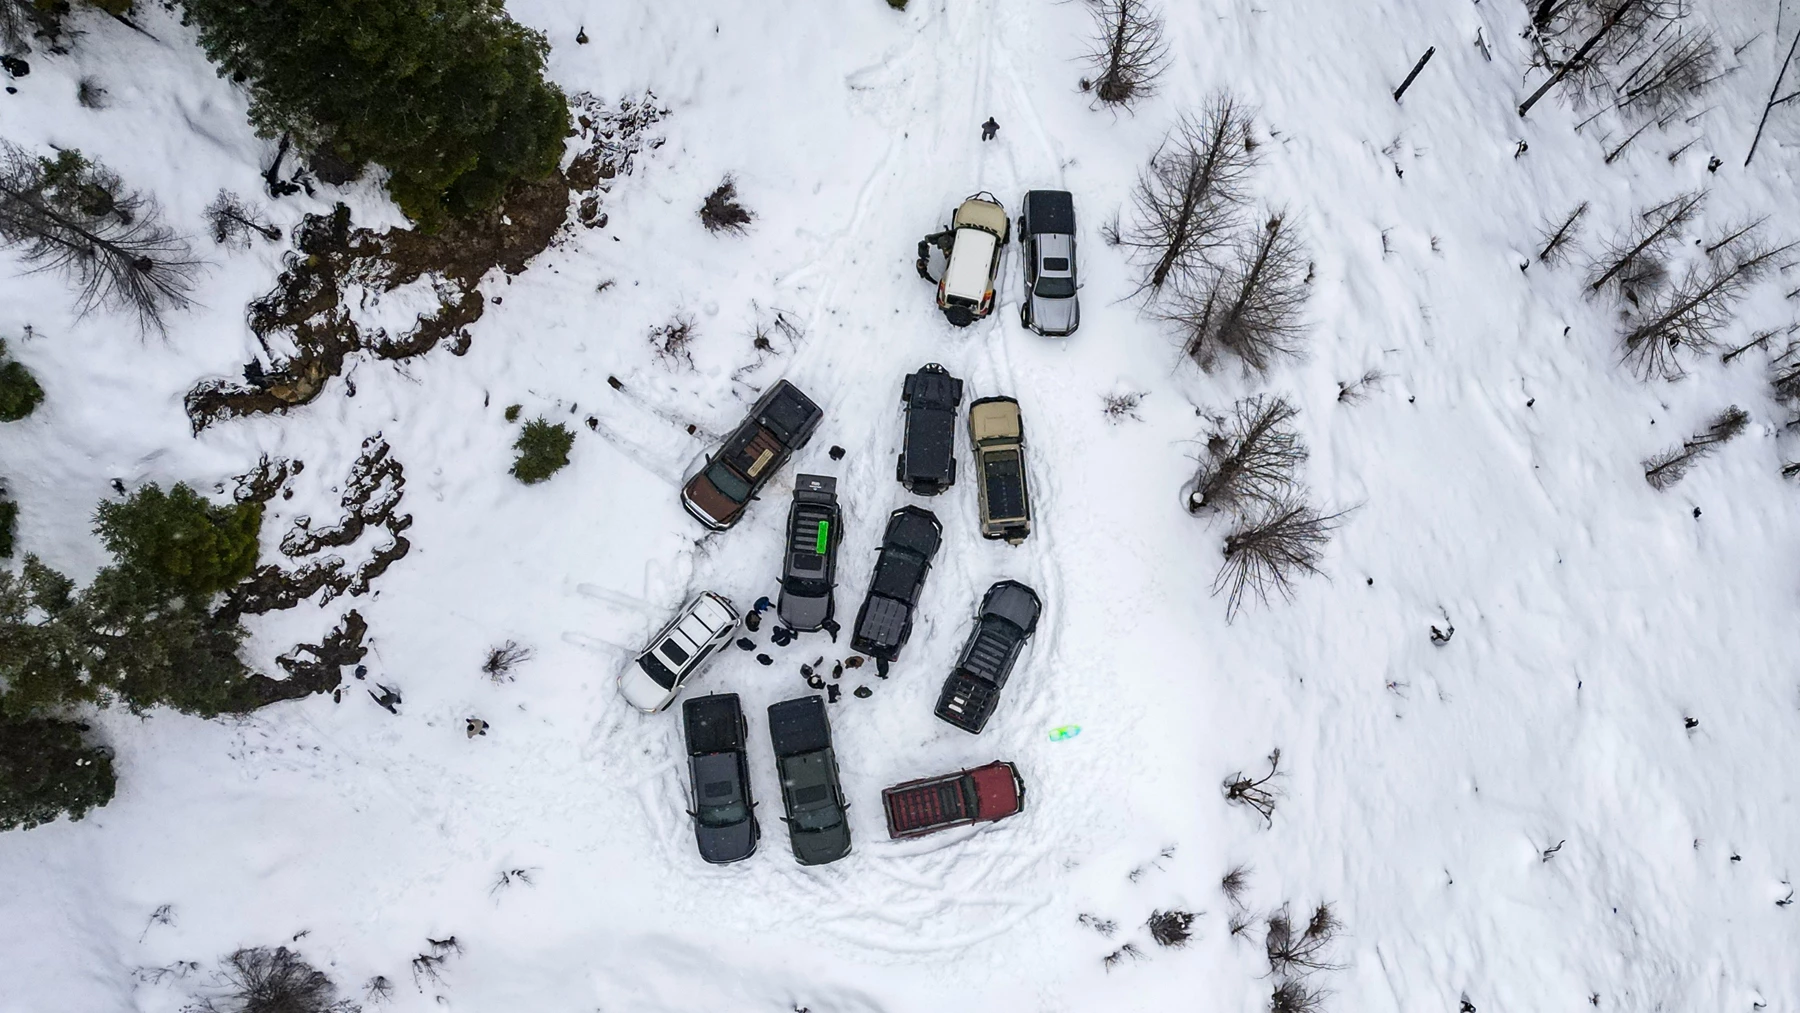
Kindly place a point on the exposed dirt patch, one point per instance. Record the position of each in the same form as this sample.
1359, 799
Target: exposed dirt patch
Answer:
309, 310
371, 498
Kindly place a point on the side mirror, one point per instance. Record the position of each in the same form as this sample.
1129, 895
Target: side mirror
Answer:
691, 814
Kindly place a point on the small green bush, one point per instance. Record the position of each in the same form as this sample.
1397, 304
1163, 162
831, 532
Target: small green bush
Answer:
512, 412
898, 5
19, 391
179, 542
543, 451
47, 771
9, 519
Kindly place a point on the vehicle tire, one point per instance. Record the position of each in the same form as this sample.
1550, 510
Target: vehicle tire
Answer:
959, 316
900, 469
952, 475
1025, 316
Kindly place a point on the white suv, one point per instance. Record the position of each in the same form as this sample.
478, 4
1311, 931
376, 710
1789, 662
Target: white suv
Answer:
653, 680
978, 234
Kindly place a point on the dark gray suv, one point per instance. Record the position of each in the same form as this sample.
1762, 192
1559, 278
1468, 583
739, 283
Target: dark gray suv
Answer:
809, 567
1047, 232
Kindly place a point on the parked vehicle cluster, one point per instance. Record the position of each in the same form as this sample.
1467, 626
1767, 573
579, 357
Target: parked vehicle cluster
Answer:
777, 426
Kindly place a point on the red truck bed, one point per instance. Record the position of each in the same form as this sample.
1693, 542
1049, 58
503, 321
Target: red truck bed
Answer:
930, 804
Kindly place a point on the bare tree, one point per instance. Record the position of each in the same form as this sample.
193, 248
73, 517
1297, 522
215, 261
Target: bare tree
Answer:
1634, 259
1253, 308
231, 221
1556, 239
1673, 73
1670, 466
1128, 951
263, 980
17, 23
503, 659
1266, 553
1193, 191
1171, 928
672, 340
1294, 995
1259, 793
1609, 33
1250, 457
1129, 51
721, 212
1233, 884
70, 215
1292, 951
1690, 317
1358, 390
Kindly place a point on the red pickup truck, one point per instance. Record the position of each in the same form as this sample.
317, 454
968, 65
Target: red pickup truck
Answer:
930, 804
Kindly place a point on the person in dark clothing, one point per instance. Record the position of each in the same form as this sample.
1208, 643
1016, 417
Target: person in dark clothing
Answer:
989, 129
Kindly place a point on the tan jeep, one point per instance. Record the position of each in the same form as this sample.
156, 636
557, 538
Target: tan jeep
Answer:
998, 436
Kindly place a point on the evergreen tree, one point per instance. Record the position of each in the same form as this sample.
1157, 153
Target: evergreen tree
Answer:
448, 95
47, 771
19, 391
43, 650
149, 646
543, 451
177, 541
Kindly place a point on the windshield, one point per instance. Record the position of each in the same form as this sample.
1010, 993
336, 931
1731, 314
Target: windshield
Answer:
822, 818
727, 815
1056, 288
805, 588
728, 483
657, 671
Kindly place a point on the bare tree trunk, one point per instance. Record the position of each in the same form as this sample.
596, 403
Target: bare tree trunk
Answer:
1580, 54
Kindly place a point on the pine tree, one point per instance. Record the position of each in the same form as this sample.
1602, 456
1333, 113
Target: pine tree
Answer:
43, 660
180, 542
448, 95
46, 771
543, 451
19, 391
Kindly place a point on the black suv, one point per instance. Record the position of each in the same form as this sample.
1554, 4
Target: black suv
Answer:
808, 766
724, 818
927, 464
809, 567
1009, 614
779, 424
885, 620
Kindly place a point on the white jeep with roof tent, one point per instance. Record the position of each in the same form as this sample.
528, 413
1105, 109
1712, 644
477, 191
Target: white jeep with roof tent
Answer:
678, 652
972, 246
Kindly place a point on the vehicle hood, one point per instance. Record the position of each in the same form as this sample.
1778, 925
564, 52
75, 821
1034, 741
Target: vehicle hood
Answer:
799, 612
710, 506
720, 845
1055, 316
641, 691
817, 847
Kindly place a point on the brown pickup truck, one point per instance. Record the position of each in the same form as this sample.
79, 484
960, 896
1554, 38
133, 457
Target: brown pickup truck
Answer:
779, 424
988, 793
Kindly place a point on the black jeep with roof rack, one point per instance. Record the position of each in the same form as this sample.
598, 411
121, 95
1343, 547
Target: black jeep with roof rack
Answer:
927, 464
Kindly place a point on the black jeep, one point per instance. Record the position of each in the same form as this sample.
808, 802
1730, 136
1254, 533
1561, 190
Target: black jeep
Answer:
927, 464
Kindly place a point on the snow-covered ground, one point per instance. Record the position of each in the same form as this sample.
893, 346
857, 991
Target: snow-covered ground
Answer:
1495, 479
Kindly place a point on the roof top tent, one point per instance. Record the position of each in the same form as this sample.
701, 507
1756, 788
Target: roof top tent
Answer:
995, 418
1051, 211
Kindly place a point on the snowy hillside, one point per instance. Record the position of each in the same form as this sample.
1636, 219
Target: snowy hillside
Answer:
1584, 799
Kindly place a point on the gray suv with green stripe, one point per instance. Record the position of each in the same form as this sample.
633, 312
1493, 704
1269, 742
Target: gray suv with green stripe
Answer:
809, 566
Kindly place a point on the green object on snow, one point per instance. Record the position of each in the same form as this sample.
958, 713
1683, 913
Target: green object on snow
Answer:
1065, 732
824, 537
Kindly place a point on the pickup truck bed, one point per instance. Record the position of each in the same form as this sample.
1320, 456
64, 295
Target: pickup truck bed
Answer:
930, 804
799, 726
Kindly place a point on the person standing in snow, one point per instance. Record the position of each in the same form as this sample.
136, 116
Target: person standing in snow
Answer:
989, 129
